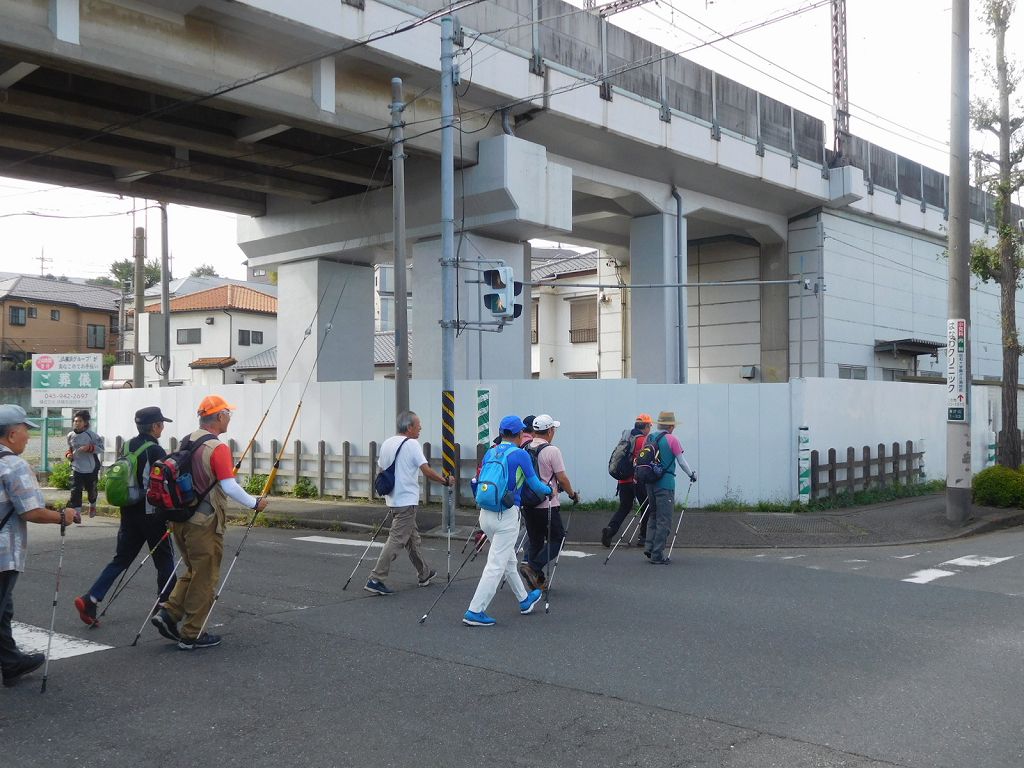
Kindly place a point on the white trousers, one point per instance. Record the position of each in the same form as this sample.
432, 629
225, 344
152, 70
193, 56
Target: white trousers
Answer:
502, 531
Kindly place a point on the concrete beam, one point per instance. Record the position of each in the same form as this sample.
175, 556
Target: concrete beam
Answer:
14, 73
252, 129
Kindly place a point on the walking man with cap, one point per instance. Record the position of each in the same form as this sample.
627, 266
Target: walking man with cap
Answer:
502, 528
629, 490
21, 501
200, 539
404, 451
138, 525
662, 493
544, 526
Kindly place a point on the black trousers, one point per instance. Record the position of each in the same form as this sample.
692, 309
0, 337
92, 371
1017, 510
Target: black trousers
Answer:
629, 493
83, 481
138, 529
9, 653
541, 548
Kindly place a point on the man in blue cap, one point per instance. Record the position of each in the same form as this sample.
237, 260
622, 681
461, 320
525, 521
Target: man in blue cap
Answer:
502, 528
21, 501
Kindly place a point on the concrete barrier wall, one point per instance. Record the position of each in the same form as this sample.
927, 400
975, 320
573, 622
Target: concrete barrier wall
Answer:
741, 438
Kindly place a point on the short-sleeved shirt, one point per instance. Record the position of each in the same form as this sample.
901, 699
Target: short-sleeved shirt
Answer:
549, 464
668, 460
406, 492
18, 491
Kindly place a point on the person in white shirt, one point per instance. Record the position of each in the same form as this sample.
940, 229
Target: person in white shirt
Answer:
405, 452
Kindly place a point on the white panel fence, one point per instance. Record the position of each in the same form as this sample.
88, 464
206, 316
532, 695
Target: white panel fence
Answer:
740, 438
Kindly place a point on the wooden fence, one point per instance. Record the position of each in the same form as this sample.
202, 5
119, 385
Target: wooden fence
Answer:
895, 467
348, 475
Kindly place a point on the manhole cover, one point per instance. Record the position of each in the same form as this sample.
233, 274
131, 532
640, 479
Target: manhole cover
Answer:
782, 523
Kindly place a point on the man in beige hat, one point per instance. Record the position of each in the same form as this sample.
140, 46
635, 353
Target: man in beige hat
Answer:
667, 453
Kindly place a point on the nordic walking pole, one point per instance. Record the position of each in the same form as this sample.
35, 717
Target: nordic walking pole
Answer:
681, 512
476, 549
119, 588
256, 513
156, 602
372, 539
554, 569
519, 548
468, 539
56, 592
637, 519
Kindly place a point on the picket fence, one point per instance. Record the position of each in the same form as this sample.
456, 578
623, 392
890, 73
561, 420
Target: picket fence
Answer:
897, 467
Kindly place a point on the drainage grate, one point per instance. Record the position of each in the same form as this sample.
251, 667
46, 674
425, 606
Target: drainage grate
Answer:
797, 524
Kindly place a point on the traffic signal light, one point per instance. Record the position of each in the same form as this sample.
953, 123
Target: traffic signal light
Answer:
500, 298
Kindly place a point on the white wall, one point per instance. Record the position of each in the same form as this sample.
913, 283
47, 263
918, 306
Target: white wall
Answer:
740, 438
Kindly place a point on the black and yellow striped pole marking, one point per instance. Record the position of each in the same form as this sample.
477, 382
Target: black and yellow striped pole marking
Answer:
448, 431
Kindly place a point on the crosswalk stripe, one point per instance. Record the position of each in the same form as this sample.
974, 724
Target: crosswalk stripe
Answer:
928, 575
32, 639
332, 540
977, 561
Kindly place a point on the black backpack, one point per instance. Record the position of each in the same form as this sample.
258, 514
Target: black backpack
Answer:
620, 463
648, 461
529, 498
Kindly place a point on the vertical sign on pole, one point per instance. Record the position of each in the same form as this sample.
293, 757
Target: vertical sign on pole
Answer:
483, 416
804, 463
956, 370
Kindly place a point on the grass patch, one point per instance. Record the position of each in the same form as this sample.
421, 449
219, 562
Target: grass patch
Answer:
842, 501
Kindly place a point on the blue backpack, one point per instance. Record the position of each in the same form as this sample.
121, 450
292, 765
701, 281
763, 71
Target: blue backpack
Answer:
492, 491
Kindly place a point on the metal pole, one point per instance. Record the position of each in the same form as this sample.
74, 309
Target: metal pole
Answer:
448, 263
401, 291
958, 433
138, 370
680, 291
165, 296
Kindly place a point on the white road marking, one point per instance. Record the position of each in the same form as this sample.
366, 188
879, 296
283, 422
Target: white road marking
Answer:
904, 557
856, 561
574, 553
332, 540
977, 561
790, 557
32, 639
927, 575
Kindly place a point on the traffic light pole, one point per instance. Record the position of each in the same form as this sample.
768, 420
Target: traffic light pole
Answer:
448, 267
401, 291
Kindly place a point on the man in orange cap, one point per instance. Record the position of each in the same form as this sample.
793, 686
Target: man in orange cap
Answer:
200, 539
628, 489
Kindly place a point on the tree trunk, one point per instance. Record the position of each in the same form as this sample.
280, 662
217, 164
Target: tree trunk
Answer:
1009, 438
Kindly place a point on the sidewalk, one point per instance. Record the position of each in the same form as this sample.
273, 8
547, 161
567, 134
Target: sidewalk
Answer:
906, 521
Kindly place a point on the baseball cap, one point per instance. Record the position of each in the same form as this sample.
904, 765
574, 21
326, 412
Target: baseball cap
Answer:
14, 414
544, 422
528, 422
150, 415
214, 404
512, 424
645, 418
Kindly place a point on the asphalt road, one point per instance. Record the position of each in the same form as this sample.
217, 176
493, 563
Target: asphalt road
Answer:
738, 658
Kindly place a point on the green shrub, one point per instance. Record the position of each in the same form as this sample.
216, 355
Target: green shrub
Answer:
60, 475
999, 487
305, 489
101, 484
254, 485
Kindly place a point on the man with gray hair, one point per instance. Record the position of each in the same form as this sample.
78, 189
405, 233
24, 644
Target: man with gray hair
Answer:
402, 453
21, 501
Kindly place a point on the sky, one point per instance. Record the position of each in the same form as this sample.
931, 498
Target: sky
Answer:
898, 61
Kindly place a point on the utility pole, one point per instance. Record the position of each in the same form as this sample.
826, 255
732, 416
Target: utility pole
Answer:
165, 297
958, 353
840, 83
448, 266
401, 291
138, 369
43, 260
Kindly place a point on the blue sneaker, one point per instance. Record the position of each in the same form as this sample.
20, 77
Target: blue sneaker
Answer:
526, 605
378, 587
478, 619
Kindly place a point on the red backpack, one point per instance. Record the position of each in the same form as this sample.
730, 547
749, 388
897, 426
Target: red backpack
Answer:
172, 493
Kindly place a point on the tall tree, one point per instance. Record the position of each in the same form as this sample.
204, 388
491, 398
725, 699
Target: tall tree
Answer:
204, 270
1003, 176
124, 271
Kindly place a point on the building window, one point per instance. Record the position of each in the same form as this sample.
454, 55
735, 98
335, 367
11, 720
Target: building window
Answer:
243, 338
583, 320
190, 335
17, 315
259, 273
55, 314
534, 321
257, 337
32, 313
853, 372
96, 336
893, 374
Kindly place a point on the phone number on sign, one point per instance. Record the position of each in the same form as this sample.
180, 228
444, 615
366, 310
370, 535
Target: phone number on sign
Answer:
64, 398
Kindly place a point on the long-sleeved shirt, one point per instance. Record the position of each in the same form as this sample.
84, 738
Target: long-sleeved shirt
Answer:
82, 460
520, 472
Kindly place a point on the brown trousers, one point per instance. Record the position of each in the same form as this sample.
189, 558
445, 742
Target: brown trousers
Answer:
403, 535
201, 549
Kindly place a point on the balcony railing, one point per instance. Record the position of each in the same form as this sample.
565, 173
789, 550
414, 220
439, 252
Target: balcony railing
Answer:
582, 335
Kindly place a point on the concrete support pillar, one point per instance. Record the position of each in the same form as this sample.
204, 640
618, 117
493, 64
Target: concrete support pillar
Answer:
654, 320
348, 351
774, 314
323, 84
504, 355
64, 20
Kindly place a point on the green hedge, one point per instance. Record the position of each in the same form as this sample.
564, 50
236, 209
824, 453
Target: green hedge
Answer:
999, 487
60, 475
